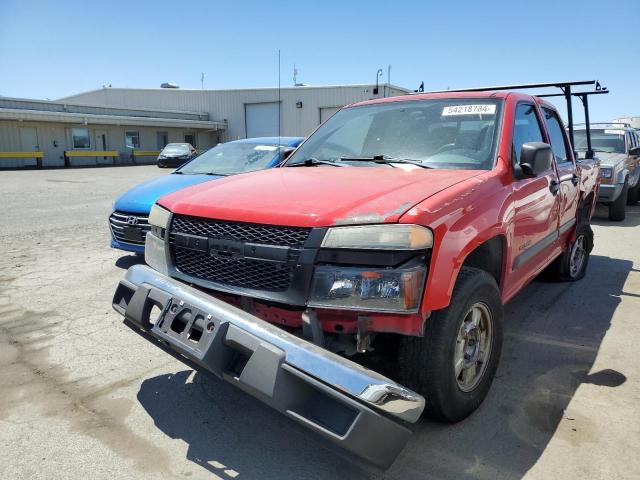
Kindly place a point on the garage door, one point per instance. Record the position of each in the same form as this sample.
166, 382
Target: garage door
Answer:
326, 112
261, 119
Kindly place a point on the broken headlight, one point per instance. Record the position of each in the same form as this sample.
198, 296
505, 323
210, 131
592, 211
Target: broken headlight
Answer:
391, 290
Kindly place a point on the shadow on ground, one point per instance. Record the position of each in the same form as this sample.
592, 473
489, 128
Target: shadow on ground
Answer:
552, 336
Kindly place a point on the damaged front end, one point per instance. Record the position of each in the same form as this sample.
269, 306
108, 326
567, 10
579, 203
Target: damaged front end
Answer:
347, 404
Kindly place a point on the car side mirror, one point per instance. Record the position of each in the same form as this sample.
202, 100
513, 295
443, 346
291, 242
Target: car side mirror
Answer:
535, 158
635, 151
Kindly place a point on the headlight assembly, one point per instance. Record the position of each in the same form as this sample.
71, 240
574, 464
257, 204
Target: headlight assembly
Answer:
382, 290
159, 217
606, 172
381, 237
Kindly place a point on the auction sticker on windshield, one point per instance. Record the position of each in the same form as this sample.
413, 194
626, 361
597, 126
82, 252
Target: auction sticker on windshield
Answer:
265, 148
487, 109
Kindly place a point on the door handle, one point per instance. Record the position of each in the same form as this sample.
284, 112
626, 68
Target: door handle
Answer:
554, 186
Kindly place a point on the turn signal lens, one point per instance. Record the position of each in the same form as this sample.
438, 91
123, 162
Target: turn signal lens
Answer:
380, 237
159, 216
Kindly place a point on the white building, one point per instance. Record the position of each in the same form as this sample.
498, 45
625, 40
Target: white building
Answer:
633, 121
247, 112
126, 120
67, 134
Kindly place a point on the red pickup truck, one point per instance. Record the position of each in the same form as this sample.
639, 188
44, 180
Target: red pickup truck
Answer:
401, 225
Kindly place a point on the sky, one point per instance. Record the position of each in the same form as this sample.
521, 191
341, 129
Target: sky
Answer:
51, 49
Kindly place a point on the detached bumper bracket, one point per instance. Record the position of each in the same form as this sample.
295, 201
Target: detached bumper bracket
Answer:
343, 402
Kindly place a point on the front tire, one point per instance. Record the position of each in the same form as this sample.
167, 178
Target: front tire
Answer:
617, 209
453, 365
632, 195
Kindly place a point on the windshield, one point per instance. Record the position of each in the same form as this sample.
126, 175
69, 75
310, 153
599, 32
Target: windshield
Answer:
609, 141
175, 149
230, 158
443, 133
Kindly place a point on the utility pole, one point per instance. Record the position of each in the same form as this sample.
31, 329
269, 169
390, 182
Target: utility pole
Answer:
202, 80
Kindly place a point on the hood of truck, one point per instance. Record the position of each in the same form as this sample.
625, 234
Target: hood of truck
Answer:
610, 159
315, 196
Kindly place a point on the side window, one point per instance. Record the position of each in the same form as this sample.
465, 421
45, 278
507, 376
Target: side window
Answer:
556, 135
526, 129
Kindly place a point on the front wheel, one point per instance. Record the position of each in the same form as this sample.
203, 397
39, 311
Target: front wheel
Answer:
632, 195
617, 209
453, 365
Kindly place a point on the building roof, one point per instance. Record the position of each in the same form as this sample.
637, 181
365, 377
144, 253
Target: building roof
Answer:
298, 87
56, 111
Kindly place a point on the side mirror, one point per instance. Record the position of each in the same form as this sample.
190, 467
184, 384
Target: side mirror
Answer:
535, 158
634, 152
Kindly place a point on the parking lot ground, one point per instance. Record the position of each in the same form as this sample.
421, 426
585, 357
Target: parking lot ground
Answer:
82, 397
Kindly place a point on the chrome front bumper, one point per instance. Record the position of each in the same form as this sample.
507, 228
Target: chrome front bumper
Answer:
344, 402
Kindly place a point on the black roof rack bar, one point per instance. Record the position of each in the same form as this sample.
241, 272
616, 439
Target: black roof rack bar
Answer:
585, 103
602, 91
566, 93
521, 86
608, 123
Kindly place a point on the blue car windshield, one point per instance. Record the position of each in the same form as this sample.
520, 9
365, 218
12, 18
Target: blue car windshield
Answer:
231, 158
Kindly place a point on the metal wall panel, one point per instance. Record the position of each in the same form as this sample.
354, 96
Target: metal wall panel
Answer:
300, 105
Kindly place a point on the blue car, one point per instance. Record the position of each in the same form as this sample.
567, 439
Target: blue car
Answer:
128, 222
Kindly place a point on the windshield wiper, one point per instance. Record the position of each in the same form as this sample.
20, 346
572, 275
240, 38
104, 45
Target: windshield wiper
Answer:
312, 162
384, 159
218, 174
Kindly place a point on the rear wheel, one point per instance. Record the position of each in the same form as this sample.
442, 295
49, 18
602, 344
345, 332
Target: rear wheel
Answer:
453, 365
572, 264
617, 208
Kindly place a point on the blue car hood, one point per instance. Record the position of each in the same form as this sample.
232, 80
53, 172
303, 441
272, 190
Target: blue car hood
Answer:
141, 198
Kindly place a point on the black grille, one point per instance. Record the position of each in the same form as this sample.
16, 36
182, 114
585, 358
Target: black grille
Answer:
238, 271
243, 232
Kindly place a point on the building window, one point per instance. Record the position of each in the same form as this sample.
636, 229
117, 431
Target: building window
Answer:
190, 138
80, 138
163, 139
132, 139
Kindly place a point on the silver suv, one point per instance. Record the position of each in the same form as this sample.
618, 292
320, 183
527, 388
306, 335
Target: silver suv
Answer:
617, 146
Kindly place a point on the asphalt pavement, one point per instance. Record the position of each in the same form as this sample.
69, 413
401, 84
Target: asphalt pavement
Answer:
81, 396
